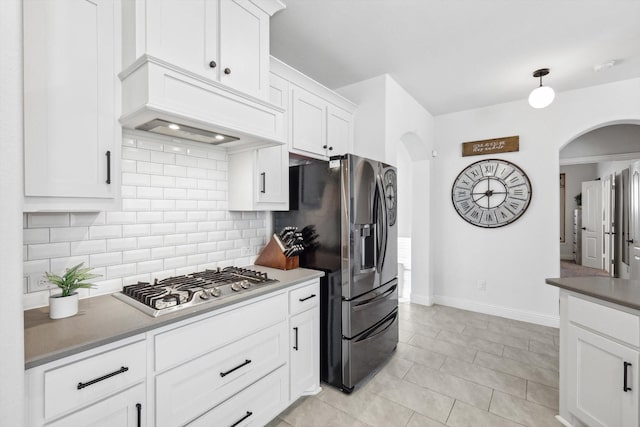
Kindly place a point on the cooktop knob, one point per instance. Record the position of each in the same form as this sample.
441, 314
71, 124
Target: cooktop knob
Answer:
245, 284
204, 295
215, 292
236, 287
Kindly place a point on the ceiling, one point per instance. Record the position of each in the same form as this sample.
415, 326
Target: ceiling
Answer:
453, 55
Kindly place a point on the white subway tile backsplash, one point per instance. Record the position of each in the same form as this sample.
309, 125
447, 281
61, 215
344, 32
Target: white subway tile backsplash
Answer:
175, 239
60, 265
48, 250
174, 170
136, 256
135, 179
105, 231
162, 229
131, 153
121, 217
35, 220
149, 168
150, 217
150, 193
150, 242
135, 230
35, 235
136, 204
160, 157
87, 247
186, 227
121, 270
150, 145
163, 181
173, 220
87, 219
150, 266
114, 245
175, 262
163, 205
103, 260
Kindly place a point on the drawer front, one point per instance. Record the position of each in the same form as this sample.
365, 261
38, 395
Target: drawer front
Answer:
80, 383
614, 323
192, 340
195, 387
304, 298
254, 406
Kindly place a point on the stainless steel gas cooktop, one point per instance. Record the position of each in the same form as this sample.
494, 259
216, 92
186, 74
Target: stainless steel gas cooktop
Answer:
180, 292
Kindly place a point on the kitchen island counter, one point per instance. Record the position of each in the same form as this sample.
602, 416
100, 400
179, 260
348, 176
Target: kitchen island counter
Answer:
618, 291
104, 319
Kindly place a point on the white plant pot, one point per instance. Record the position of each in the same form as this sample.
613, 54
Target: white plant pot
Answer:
61, 307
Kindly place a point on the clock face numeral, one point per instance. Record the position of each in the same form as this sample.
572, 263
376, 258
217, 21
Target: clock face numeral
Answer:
491, 193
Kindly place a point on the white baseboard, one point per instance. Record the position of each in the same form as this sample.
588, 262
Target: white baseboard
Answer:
421, 299
496, 310
567, 257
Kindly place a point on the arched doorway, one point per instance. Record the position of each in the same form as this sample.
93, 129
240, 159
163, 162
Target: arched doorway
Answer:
594, 199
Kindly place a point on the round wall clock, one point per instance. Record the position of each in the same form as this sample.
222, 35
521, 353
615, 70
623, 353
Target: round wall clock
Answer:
491, 193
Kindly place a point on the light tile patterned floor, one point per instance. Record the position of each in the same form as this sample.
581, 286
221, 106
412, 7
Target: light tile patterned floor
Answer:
452, 367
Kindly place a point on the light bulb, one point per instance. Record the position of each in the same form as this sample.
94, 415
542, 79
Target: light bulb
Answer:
174, 126
541, 97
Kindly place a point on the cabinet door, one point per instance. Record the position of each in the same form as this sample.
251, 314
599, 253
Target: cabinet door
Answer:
184, 33
305, 364
273, 176
339, 131
308, 122
244, 47
69, 97
125, 409
596, 380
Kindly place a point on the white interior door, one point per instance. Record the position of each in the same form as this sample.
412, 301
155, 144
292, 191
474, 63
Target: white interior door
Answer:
608, 226
634, 220
592, 224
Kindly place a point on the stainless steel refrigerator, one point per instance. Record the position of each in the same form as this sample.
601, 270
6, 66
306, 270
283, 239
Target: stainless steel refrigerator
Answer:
347, 209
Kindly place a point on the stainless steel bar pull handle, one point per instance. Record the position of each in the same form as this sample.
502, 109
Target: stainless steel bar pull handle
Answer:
625, 387
108, 154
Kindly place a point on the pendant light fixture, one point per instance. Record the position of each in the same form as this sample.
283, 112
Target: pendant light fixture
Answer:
541, 96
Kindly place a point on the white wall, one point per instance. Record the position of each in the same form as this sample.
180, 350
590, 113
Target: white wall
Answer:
616, 139
11, 185
514, 260
174, 221
574, 176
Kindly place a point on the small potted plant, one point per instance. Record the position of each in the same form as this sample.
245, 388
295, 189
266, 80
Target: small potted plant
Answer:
66, 303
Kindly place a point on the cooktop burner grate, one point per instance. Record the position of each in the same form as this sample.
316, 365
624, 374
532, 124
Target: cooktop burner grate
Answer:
174, 293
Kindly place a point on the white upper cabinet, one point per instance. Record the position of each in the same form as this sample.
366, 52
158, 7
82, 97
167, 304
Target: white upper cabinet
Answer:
320, 120
259, 178
72, 137
222, 40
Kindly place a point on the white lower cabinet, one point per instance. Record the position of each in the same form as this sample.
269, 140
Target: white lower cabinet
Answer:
240, 366
599, 364
125, 409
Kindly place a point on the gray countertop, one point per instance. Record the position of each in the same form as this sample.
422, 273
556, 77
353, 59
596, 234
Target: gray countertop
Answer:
618, 291
105, 319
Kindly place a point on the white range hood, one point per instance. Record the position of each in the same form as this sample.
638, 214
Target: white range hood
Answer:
163, 98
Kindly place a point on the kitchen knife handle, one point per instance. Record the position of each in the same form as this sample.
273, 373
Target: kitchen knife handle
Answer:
108, 154
295, 346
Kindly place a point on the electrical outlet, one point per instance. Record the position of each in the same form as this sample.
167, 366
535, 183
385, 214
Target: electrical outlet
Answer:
245, 251
482, 285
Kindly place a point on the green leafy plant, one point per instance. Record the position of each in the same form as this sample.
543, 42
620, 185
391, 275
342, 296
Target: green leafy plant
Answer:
73, 278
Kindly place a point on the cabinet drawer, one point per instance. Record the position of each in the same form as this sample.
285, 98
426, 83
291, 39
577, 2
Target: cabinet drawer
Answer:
609, 321
195, 387
253, 406
77, 384
304, 298
195, 339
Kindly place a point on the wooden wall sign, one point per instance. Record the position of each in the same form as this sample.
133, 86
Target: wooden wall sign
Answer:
491, 146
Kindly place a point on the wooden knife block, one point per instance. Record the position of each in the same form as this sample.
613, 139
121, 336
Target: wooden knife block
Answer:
273, 256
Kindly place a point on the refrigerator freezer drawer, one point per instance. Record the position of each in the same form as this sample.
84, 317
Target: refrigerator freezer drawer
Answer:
367, 310
364, 353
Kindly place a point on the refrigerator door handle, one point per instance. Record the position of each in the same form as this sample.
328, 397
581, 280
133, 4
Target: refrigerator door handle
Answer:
378, 298
377, 331
383, 226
